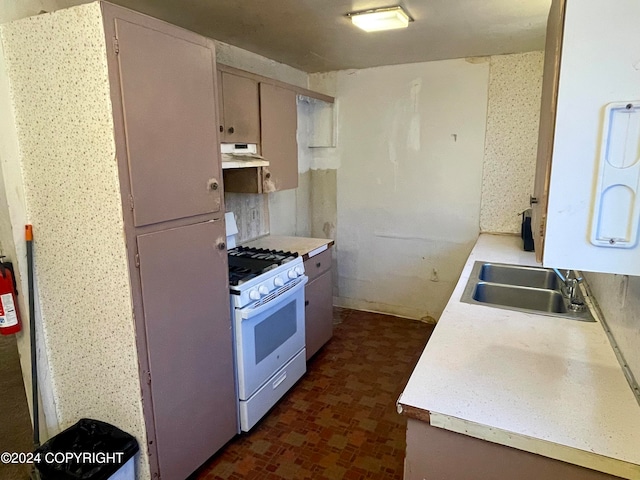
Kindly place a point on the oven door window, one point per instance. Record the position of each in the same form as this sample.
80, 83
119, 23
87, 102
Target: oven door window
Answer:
273, 331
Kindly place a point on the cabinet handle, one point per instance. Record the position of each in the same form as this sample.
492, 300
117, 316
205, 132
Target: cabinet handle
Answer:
213, 185
221, 129
306, 303
231, 130
268, 175
222, 246
318, 265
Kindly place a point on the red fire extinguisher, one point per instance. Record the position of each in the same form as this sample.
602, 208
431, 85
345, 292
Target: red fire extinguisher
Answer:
9, 315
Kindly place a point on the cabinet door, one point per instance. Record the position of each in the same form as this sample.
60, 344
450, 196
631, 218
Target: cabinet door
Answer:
185, 296
169, 107
553, 51
596, 156
318, 313
279, 126
240, 109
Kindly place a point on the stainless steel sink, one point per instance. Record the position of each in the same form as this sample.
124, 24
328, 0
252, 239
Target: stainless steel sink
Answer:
520, 276
520, 297
526, 289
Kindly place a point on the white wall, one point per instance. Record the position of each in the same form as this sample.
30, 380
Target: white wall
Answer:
513, 115
411, 143
510, 87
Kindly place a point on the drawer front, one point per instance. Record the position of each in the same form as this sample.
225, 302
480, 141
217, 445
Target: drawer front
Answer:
252, 410
318, 264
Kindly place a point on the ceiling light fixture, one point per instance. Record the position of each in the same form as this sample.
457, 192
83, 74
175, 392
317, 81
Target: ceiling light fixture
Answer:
380, 19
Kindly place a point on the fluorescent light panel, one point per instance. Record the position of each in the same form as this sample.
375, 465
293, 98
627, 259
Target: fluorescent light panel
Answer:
380, 19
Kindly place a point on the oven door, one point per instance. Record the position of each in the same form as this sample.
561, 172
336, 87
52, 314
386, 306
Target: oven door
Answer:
268, 336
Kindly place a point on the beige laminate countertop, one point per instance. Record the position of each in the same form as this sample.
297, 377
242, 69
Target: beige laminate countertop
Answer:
547, 385
306, 247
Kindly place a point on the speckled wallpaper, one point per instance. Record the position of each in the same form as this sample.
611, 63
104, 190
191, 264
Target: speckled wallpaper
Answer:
515, 86
57, 67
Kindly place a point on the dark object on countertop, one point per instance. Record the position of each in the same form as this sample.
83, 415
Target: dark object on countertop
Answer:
525, 232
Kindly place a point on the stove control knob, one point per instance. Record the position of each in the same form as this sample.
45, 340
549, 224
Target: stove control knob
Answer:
299, 271
254, 294
278, 282
292, 273
263, 290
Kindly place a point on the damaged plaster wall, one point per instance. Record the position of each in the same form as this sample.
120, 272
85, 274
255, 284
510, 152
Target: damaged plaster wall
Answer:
290, 209
324, 208
300, 212
324, 166
325, 156
411, 144
251, 212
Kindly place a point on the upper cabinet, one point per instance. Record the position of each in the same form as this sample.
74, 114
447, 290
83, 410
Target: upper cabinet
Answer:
261, 110
174, 167
588, 173
279, 125
240, 109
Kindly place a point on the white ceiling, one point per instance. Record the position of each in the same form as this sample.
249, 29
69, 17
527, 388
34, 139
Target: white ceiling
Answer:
315, 35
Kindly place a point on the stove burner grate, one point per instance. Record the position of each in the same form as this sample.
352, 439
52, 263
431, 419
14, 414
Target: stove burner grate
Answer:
246, 263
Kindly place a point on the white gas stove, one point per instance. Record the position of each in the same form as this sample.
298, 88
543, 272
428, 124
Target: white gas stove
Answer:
268, 312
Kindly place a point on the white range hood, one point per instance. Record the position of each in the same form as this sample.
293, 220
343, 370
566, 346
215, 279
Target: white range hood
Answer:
241, 155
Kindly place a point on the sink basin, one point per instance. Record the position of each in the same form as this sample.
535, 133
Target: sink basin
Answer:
539, 299
525, 289
520, 276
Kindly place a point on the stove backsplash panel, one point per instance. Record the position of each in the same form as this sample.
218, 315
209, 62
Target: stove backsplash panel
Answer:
251, 212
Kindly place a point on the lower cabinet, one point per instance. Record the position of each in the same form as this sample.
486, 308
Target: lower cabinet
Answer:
318, 302
185, 304
434, 452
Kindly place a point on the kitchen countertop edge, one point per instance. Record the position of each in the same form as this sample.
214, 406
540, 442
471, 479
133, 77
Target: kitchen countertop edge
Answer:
434, 376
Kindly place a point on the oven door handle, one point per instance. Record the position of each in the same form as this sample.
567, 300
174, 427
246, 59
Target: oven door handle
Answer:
249, 313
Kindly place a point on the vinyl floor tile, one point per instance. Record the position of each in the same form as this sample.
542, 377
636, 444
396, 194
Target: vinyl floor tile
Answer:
339, 421
16, 433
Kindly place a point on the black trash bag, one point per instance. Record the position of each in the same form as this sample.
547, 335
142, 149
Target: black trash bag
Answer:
90, 440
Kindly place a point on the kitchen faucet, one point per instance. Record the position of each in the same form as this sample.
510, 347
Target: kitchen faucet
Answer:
570, 289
